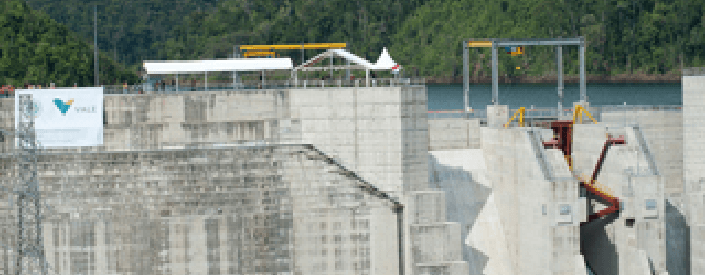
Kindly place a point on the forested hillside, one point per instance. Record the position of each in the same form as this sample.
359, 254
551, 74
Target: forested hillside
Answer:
37, 50
638, 36
651, 37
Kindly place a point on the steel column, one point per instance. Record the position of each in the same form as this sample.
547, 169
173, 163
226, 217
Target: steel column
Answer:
583, 97
495, 76
466, 79
347, 71
96, 71
235, 72
559, 54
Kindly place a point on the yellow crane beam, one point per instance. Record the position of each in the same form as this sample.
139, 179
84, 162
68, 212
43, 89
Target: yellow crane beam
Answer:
308, 46
258, 53
479, 44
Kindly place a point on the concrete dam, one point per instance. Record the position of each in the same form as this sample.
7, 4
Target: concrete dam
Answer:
359, 180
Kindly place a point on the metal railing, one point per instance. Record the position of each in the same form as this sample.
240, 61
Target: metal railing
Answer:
248, 84
555, 113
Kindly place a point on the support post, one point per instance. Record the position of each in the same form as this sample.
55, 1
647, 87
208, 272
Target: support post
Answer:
96, 71
466, 79
235, 48
367, 77
495, 75
582, 70
177, 82
559, 54
206, 80
347, 70
331, 65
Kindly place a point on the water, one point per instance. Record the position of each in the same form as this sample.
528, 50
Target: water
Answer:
450, 97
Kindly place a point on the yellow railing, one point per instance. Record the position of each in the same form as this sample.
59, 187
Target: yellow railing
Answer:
521, 113
579, 112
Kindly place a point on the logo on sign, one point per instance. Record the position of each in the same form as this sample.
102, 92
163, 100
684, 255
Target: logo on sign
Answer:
63, 107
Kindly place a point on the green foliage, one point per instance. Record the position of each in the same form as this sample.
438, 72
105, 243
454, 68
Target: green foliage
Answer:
38, 50
649, 36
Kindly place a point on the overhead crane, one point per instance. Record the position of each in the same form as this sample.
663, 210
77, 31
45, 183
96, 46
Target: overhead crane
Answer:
515, 47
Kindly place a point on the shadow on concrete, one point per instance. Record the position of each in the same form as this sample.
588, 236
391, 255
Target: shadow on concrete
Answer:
465, 198
599, 251
677, 240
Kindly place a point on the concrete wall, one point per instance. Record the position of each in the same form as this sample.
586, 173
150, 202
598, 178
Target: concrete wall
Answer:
612, 247
528, 197
381, 133
208, 211
663, 132
158, 121
460, 174
694, 166
453, 134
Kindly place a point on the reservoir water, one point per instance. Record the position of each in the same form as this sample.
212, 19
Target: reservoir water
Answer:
450, 97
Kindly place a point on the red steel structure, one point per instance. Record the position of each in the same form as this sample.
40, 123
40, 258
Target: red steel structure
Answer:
563, 130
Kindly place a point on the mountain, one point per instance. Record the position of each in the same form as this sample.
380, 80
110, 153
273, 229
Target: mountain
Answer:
623, 37
35, 49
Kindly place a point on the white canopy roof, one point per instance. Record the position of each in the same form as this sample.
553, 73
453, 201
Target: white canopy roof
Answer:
385, 61
232, 64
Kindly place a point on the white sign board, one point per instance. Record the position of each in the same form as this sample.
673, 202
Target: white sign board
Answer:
66, 117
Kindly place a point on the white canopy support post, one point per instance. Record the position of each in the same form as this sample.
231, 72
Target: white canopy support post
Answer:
347, 71
262, 78
206, 80
177, 82
367, 77
293, 77
331, 66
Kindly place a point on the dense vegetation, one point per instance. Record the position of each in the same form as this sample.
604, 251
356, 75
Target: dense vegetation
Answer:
37, 50
638, 36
